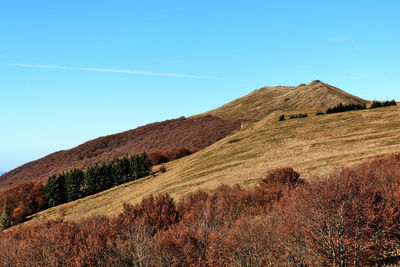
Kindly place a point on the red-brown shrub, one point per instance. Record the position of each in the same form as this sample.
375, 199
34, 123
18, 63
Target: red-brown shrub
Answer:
156, 213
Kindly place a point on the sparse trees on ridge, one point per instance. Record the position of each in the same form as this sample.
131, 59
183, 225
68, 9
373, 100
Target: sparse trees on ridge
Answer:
379, 104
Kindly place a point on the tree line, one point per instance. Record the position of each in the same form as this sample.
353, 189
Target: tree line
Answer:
379, 104
348, 107
76, 183
348, 218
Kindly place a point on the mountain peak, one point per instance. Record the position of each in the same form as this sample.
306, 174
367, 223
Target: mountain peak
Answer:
263, 101
316, 82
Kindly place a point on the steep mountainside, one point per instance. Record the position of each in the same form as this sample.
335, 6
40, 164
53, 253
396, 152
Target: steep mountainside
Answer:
263, 101
190, 133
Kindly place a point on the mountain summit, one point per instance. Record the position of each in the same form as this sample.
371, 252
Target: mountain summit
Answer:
263, 101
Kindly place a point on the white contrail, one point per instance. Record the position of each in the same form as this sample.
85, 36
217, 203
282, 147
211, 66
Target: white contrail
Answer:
136, 72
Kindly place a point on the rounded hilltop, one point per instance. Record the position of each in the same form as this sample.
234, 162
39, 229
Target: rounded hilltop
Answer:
261, 102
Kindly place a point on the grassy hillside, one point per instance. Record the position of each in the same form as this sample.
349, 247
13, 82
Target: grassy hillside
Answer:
312, 146
264, 101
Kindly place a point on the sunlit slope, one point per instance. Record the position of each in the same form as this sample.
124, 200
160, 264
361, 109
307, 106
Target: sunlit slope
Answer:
313, 146
263, 101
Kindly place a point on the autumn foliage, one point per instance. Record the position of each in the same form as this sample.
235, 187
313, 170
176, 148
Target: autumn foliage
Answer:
350, 218
23, 200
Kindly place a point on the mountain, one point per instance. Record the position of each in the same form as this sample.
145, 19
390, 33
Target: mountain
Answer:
194, 133
314, 146
263, 101
184, 133
1, 172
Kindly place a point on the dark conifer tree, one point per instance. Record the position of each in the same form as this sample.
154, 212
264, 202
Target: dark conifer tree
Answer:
55, 190
91, 181
5, 218
74, 182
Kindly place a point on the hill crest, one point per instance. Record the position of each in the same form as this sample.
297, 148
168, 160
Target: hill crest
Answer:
261, 102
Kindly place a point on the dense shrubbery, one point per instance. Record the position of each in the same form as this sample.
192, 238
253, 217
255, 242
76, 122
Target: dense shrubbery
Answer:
348, 218
379, 104
75, 184
346, 107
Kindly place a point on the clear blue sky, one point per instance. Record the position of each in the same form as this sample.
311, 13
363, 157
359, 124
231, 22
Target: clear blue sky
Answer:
71, 71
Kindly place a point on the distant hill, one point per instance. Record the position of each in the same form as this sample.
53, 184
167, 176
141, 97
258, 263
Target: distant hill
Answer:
263, 101
1, 172
189, 133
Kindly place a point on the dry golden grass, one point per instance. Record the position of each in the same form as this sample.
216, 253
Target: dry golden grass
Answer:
312, 146
266, 100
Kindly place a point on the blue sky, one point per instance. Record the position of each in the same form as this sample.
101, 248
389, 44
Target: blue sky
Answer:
71, 71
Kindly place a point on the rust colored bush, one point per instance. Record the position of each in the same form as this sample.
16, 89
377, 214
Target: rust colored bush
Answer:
156, 213
283, 177
25, 199
19, 213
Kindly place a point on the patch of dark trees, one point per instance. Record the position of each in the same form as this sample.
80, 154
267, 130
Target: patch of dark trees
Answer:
350, 107
17, 203
348, 218
294, 116
75, 184
346, 107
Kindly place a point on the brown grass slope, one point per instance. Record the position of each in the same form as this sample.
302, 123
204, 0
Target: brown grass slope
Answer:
263, 101
190, 133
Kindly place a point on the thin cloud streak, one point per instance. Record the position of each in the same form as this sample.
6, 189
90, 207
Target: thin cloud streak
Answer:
135, 72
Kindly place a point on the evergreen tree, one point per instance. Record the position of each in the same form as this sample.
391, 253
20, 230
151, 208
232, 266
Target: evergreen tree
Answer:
105, 180
74, 181
55, 190
91, 181
143, 165
5, 218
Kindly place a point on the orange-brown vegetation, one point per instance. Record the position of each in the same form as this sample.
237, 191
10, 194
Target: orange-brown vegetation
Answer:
348, 218
168, 139
23, 200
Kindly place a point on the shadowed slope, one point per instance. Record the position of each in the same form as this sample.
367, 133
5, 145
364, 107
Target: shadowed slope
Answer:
263, 101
